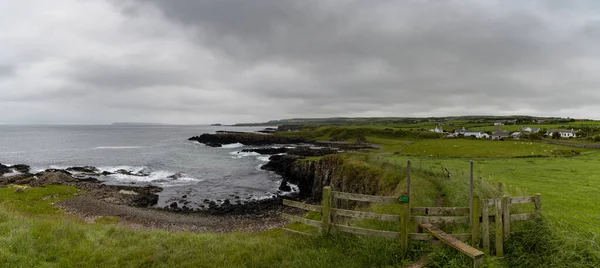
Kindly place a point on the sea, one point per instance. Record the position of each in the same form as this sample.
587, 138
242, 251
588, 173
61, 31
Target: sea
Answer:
159, 150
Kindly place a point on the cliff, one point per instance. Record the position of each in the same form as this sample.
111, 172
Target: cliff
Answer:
337, 171
217, 140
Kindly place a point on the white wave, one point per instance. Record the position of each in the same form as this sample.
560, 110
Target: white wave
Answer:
118, 147
232, 145
263, 197
263, 158
243, 154
160, 177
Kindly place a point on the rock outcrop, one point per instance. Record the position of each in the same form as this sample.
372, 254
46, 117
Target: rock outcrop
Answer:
218, 139
332, 170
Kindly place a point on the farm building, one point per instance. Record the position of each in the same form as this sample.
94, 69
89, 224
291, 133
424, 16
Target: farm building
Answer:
472, 133
530, 129
564, 133
499, 123
437, 130
500, 135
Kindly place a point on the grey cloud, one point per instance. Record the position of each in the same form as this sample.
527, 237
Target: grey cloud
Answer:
239, 60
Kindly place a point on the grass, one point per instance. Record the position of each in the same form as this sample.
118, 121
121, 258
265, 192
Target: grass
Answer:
484, 148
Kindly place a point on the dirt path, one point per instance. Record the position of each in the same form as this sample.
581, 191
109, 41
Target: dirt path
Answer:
90, 209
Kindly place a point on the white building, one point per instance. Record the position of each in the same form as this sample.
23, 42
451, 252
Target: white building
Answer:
437, 130
564, 133
472, 133
530, 129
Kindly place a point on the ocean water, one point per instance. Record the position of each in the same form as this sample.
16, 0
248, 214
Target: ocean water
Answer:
207, 172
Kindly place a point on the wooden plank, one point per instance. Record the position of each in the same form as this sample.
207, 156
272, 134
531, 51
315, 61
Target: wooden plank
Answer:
326, 206
300, 205
366, 198
475, 223
506, 217
521, 200
538, 203
440, 211
427, 237
363, 231
485, 226
441, 219
365, 215
499, 234
301, 220
471, 185
522, 217
453, 242
290, 231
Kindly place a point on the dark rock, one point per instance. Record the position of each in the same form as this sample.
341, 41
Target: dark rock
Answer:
245, 138
19, 190
54, 177
173, 205
284, 186
226, 202
106, 173
124, 172
20, 168
90, 179
85, 169
4, 169
271, 151
185, 196
176, 176
206, 201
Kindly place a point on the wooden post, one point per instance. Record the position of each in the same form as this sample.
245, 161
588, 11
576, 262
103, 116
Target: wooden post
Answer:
326, 207
475, 225
506, 216
500, 188
405, 212
499, 235
538, 203
471, 193
485, 222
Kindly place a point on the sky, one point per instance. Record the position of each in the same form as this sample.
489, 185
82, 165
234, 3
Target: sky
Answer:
229, 61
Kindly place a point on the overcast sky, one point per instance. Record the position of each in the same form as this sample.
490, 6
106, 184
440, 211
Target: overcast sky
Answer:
201, 61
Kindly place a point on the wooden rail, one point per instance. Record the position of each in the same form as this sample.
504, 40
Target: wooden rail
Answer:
300, 205
440, 211
365, 198
308, 222
363, 231
365, 215
441, 219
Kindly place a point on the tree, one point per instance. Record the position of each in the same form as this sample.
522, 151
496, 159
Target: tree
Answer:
555, 135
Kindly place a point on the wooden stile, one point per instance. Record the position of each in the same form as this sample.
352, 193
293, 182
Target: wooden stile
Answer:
472, 252
499, 235
429, 237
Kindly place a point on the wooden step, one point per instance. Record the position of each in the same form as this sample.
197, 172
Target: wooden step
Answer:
473, 253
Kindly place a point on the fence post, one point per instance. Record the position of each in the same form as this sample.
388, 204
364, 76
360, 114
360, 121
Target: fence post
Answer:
538, 203
500, 186
499, 235
405, 212
326, 207
471, 194
485, 219
506, 216
475, 225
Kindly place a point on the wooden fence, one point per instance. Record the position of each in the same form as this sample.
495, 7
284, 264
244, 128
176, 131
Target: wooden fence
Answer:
477, 217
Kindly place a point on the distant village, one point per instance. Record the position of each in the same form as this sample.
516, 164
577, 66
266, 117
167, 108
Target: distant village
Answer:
500, 134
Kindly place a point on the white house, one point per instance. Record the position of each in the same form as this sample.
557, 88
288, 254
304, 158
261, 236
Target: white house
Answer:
437, 130
530, 129
472, 133
564, 133
499, 123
